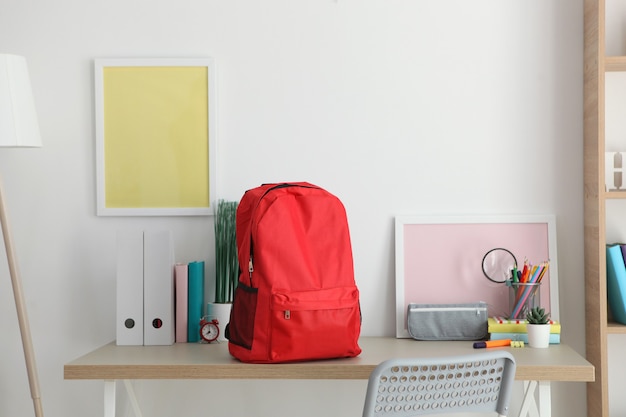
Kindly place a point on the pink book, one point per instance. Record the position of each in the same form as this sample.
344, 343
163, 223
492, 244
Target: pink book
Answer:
180, 272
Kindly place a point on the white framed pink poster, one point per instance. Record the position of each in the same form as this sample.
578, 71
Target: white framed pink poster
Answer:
439, 260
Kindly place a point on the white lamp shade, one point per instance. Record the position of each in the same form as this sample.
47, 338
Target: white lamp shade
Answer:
18, 118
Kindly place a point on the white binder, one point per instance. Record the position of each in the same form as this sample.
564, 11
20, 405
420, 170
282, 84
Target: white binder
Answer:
158, 294
129, 279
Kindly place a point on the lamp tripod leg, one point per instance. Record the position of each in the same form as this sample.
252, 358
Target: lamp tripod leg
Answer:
20, 305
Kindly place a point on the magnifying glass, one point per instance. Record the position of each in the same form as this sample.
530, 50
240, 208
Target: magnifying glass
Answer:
498, 264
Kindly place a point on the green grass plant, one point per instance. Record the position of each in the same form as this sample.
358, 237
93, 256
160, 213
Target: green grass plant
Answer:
226, 262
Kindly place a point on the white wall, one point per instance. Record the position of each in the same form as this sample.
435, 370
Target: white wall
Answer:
396, 106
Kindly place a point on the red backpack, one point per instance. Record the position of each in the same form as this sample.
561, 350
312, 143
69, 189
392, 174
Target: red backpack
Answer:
296, 298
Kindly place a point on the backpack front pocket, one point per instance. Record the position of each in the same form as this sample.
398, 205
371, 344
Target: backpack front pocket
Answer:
315, 324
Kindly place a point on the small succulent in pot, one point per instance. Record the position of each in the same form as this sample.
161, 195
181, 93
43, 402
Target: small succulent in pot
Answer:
538, 315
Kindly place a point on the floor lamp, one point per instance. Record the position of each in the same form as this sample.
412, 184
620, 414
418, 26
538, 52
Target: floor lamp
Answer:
18, 128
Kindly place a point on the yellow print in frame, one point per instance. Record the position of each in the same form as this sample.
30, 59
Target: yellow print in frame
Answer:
155, 134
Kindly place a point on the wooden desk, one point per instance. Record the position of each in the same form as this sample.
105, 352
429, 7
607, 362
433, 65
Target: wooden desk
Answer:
537, 367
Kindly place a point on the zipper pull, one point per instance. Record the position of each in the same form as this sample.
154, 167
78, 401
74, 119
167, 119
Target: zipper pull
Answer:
250, 270
287, 314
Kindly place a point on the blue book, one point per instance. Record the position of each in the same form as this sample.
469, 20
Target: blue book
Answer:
195, 300
616, 282
555, 338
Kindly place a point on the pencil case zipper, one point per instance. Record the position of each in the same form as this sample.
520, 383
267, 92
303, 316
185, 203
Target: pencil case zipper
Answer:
478, 310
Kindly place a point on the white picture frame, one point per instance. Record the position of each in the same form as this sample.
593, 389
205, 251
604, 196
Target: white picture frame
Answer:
461, 253
156, 136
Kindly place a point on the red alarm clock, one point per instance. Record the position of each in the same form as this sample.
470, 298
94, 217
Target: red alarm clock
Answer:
209, 330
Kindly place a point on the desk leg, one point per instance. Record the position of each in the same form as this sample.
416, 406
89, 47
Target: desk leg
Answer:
529, 406
109, 398
132, 398
545, 399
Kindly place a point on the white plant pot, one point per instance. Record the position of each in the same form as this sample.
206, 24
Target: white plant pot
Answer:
538, 335
221, 312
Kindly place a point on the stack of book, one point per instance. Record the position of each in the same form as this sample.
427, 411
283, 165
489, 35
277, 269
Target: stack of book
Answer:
189, 284
515, 329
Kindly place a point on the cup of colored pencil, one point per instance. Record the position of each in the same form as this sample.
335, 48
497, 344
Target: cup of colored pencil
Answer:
525, 289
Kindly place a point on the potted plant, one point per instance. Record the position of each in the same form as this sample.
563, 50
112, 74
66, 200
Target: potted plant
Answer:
538, 327
226, 263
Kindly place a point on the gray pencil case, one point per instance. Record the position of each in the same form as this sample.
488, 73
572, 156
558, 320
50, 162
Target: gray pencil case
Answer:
447, 321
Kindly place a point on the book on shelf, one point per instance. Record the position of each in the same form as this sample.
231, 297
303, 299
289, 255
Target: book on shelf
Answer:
182, 292
503, 325
616, 281
555, 338
195, 299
